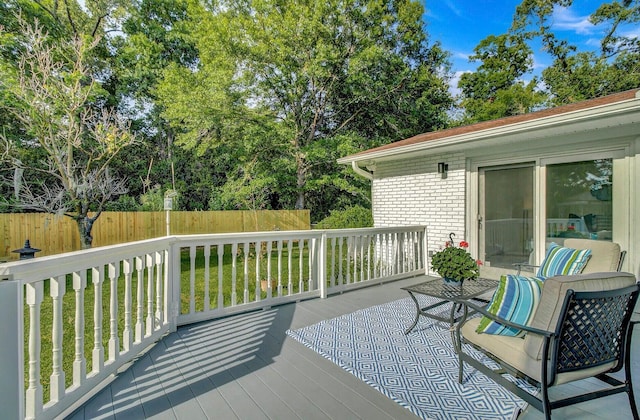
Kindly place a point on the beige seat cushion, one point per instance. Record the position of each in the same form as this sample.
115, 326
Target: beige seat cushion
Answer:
552, 298
510, 350
604, 255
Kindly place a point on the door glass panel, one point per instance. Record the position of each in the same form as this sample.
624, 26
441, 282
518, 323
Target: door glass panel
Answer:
506, 219
579, 201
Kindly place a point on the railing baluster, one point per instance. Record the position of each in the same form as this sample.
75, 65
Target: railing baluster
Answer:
33, 395
312, 258
114, 340
79, 361
300, 259
349, 256
399, 260
159, 312
269, 288
410, 251
220, 276
394, 255
290, 265
340, 260
234, 273
258, 248
333, 261
354, 247
423, 262
362, 241
97, 359
207, 277
368, 248
150, 294
127, 333
192, 279
388, 255
139, 299
375, 245
279, 244
57, 292
245, 249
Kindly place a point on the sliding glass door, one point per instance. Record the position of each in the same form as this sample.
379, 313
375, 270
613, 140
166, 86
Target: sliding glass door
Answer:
505, 219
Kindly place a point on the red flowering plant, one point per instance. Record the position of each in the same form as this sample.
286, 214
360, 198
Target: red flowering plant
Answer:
454, 262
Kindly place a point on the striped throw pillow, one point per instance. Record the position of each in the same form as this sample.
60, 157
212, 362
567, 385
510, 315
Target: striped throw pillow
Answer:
561, 261
515, 300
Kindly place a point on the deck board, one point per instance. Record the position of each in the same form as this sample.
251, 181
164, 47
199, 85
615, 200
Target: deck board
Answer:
246, 367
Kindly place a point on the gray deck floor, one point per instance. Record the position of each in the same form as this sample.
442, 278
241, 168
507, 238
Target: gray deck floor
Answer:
246, 367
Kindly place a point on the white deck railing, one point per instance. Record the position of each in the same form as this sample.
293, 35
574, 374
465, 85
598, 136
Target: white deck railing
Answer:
124, 298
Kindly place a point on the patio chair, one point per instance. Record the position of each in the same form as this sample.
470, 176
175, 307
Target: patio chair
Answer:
605, 256
581, 328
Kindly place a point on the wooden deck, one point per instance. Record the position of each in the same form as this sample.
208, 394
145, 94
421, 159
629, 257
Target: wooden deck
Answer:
246, 367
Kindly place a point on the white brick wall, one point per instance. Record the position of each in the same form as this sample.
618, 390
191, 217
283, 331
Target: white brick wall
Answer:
411, 192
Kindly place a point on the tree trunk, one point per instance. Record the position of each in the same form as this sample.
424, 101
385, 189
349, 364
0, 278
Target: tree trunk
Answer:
301, 181
85, 224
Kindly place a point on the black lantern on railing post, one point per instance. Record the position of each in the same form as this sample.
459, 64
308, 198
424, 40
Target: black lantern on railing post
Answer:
26, 252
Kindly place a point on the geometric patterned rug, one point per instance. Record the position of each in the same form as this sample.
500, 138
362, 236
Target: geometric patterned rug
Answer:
419, 370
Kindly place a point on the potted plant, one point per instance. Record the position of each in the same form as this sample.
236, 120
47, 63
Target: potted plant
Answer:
454, 263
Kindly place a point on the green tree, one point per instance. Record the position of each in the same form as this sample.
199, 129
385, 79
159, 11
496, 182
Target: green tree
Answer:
496, 88
579, 75
152, 37
284, 82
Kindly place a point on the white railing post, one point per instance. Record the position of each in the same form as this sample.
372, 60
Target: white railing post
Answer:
322, 264
79, 361
127, 333
425, 251
159, 310
12, 350
34, 391
57, 288
97, 355
172, 293
114, 339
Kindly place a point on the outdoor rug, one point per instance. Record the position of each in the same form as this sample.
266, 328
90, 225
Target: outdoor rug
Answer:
419, 370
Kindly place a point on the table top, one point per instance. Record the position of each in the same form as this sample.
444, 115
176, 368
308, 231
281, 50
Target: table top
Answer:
437, 288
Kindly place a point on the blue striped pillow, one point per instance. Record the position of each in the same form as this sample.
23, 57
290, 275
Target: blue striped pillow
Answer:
561, 261
515, 300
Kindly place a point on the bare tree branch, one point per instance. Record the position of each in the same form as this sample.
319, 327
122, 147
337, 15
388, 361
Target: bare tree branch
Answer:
53, 89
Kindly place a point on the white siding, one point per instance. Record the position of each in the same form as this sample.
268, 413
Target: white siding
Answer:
412, 192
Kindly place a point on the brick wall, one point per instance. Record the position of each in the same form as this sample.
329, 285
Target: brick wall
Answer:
411, 192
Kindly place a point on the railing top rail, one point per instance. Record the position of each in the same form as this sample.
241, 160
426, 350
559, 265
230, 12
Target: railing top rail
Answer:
61, 264
364, 231
288, 234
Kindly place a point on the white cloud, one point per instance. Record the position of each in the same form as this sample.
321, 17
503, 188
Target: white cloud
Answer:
453, 83
565, 19
633, 32
461, 55
452, 6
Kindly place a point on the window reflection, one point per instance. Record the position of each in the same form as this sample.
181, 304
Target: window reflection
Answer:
579, 200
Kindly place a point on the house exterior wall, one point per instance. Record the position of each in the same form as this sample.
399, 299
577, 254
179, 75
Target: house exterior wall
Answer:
411, 191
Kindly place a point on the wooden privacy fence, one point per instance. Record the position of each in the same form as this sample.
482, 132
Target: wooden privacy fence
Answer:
57, 234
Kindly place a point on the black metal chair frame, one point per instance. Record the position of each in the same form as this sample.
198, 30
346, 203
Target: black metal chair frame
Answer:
588, 320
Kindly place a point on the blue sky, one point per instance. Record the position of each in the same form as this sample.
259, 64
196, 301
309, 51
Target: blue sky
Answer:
461, 24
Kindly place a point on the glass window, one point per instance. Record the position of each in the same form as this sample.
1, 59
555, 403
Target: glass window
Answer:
579, 201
